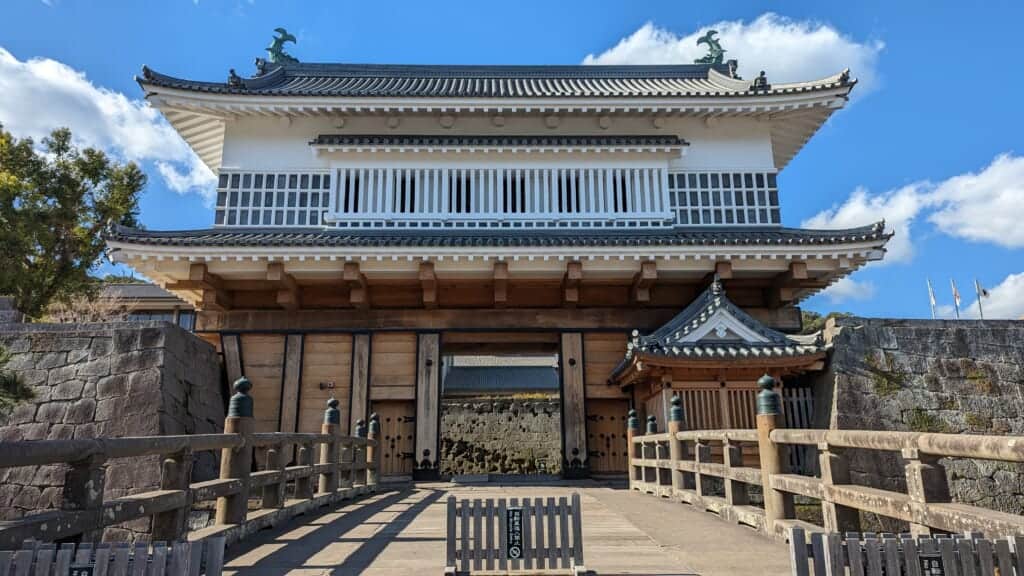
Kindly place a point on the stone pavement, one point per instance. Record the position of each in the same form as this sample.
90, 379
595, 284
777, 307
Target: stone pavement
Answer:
401, 531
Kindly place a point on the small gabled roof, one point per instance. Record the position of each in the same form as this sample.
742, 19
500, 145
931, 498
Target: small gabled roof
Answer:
714, 329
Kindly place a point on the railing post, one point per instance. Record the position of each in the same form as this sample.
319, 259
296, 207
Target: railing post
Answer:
304, 484
735, 492
175, 474
632, 431
778, 505
237, 462
834, 470
926, 484
273, 494
701, 455
359, 455
329, 450
83, 492
675, 447
650, 451
372, 452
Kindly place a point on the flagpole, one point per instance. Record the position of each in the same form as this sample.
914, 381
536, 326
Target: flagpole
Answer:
931, 296
956, 298
977, 290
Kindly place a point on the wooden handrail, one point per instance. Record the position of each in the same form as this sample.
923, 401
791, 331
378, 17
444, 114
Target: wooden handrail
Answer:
677, 464
345, 465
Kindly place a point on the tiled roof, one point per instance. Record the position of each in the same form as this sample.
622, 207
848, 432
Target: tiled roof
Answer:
713, 328
388, 140
326, 237
386, 80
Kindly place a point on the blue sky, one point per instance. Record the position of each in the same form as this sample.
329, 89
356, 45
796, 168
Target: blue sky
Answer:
932, 140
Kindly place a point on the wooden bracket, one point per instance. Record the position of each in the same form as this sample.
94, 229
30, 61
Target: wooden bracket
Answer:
722, 269
500, 284
785, 286
289, 295
214, 295
428, 280
642, 282
358, 292
571, 283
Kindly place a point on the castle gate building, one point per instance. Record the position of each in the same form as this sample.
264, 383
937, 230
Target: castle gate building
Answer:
373, 220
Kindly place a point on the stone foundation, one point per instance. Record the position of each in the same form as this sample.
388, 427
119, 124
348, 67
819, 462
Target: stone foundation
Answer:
501, 436
107, 380
960, 377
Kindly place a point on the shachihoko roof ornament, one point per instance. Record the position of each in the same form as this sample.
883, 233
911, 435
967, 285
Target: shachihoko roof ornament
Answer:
715, 51
276, 53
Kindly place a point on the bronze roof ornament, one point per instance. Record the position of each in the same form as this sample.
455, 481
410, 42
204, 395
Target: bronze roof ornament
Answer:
276, 53
715, 50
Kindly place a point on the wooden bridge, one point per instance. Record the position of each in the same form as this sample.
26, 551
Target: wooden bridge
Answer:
328, 513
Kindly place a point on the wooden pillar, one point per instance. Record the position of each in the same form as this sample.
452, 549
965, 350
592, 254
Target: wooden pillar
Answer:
237, 462
650, 453
304, 484
834, 470
574, 415
273, 494
232, 347
735, 492
675, 447
428, 404
290, 390
360, 380
926, 484
372, 452
359, 458
701, 455
632, 431
778, 505
175, 474
330, 451
84, 483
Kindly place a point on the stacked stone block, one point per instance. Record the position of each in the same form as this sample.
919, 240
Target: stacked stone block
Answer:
501, 436
107, 380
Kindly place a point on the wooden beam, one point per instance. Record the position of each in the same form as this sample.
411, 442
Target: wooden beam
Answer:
214, 295
358, 294
500, 284
571, 283
642, 282
722, 269
785, 287
289, 294
428, 281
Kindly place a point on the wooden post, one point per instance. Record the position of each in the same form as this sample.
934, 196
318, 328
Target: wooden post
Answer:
926, 483
175, 473
675, 447
304, 484
650, 451
237, 462
329, 451
83, 492
735, 492
273, 494
372, 452
777, 504
701, 455
834, 470
632, 431
428, 403
359, 455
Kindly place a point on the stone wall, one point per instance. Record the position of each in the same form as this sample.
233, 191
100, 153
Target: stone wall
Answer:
107, 380
961, 377
501, 436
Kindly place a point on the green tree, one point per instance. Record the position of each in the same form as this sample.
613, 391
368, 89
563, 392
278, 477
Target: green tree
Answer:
812, 321
55, 203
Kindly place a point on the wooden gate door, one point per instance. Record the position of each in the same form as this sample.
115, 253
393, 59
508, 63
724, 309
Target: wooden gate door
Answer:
606, 435
397, 429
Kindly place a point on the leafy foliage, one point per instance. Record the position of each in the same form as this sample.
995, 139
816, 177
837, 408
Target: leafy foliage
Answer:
813, 322
12, 390
55, 203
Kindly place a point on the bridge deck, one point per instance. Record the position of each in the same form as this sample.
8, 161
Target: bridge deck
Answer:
402, 532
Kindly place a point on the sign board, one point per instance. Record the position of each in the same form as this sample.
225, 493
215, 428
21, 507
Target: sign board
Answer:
931, 565
81, 570
514, 532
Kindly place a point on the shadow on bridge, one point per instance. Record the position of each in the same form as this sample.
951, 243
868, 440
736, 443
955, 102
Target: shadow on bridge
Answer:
346, 540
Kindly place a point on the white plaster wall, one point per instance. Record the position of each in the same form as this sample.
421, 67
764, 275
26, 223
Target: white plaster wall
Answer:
276, 144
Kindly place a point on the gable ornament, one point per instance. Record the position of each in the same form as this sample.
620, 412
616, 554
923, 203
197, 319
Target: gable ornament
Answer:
276, 53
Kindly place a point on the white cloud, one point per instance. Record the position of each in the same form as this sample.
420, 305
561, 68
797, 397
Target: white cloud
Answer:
41, 94
788, 50
1005, 301
985, 206
898, 208
847, 289
980, 206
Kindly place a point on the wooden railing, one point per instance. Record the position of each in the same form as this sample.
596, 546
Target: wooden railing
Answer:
345, 467
681, 464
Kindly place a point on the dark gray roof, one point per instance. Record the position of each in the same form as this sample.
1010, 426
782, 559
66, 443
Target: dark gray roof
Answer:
676, 338
382, 140
137, 291
500, 378
392, 80
329, 237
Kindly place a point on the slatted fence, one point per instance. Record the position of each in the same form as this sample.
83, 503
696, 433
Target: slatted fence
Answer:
871, 554
121, 559
511, 535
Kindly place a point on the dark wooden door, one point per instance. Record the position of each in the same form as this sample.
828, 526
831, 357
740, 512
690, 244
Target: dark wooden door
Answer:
397, 431
606, 435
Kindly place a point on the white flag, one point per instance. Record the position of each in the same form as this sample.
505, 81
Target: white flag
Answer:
931, 297
956, 298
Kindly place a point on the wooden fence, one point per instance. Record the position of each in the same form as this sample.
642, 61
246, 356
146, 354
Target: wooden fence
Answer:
679, 465
512, 535
178, 559
345, 467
